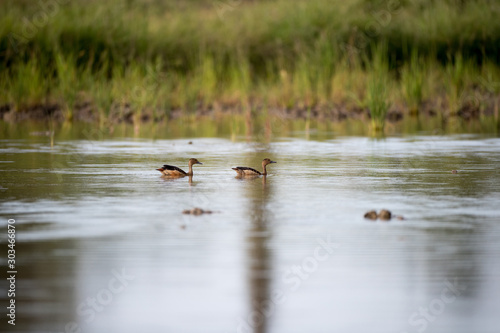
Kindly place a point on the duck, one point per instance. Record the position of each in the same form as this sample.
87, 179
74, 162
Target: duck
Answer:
173, 171
246, 171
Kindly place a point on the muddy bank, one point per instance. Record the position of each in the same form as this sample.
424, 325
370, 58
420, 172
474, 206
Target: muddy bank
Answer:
86, 112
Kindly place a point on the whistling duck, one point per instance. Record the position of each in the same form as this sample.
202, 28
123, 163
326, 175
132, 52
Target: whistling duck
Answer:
173, 171
245, 171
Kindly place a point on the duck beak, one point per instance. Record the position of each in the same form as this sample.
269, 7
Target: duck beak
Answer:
272, 162
199, 163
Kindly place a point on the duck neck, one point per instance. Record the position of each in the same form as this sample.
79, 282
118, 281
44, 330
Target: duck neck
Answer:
264, 168
190, 171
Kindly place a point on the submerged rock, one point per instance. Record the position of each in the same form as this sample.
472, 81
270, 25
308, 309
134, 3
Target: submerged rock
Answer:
371, 215
385, 215
196, 211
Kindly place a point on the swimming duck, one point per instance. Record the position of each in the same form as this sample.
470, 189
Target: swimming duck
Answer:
173, 171
245, 171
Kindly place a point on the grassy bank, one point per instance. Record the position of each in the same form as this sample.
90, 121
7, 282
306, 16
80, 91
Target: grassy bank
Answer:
137, 60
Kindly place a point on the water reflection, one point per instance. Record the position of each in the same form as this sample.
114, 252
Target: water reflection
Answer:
46, 294
84, 208
259, 192
451, 255
178, 178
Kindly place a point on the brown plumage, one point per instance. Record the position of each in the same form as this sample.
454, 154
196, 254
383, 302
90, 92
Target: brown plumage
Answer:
245, 171
173, 171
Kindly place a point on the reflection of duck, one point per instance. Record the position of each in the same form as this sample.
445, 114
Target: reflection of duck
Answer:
245, 171
173, 171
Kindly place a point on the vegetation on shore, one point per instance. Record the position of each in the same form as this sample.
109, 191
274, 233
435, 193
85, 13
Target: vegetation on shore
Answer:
139, 59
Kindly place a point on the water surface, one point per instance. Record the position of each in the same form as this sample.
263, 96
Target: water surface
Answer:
103, 246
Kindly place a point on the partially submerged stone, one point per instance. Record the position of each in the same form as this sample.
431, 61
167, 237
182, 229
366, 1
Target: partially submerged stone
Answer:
385, 215
371, 215
196, 211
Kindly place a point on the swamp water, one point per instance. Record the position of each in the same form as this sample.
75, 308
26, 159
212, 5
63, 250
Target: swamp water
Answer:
102, 244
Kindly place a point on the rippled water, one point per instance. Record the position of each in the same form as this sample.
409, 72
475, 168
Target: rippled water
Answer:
103, 246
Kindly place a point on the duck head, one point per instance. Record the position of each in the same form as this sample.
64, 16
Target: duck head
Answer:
194, 161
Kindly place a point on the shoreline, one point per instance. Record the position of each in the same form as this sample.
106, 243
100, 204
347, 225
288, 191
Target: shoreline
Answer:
87, 113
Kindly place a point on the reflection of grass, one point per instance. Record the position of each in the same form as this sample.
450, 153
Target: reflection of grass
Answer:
183, 55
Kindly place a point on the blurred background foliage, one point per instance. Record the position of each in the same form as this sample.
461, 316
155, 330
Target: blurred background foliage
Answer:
202, 54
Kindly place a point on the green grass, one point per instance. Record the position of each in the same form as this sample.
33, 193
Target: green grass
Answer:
153, 57
377, 98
